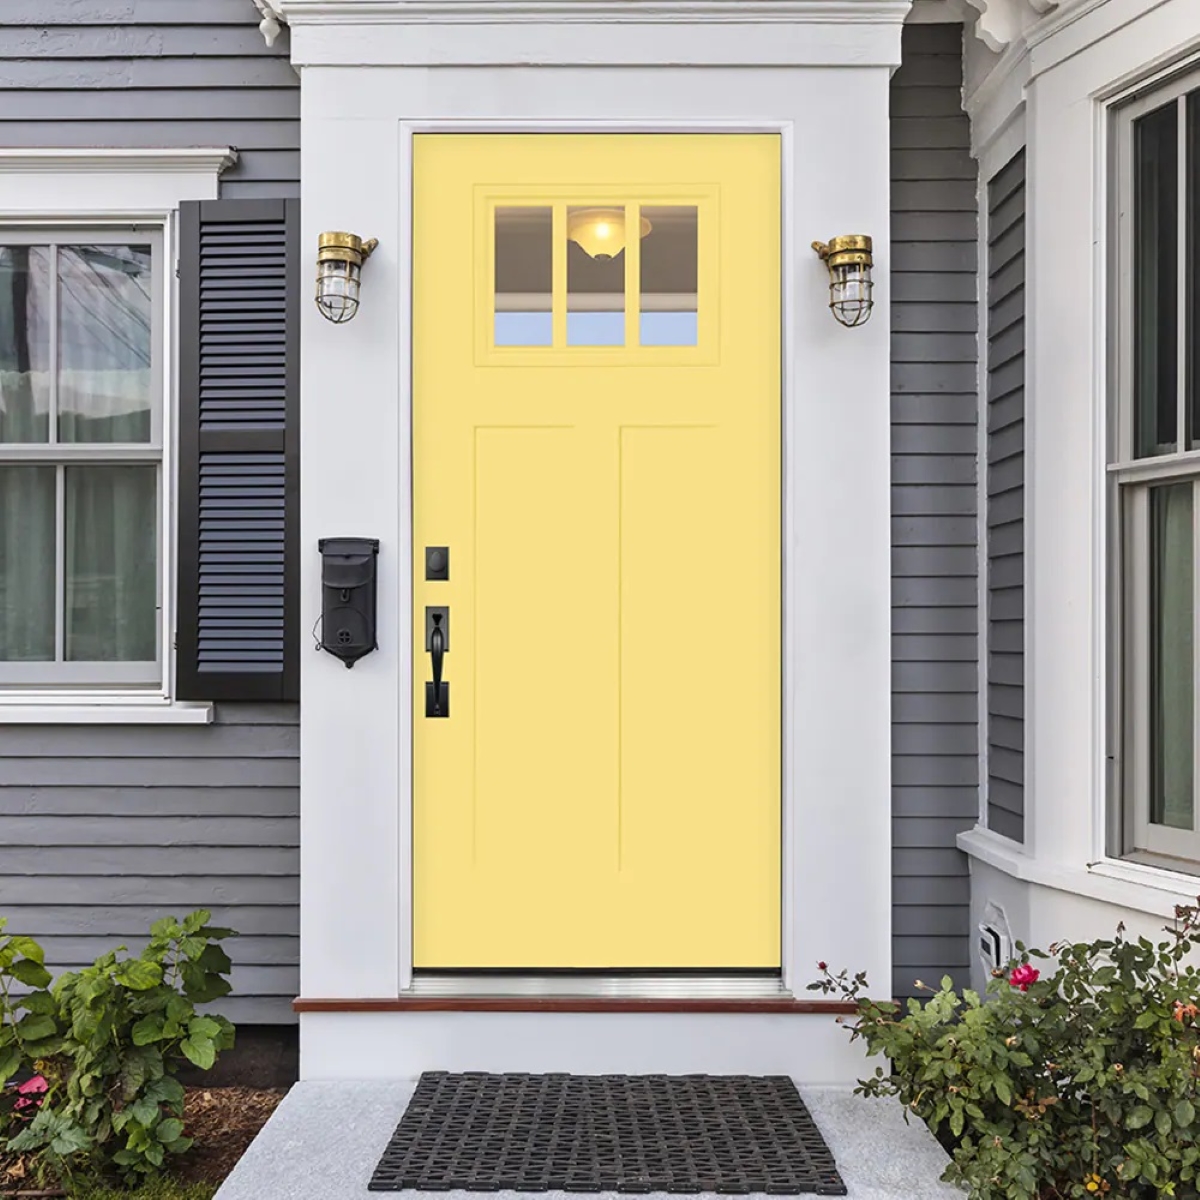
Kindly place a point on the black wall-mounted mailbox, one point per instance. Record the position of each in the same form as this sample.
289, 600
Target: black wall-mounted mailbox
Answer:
348, 596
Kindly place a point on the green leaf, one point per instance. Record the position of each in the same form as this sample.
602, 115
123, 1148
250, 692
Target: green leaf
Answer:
10, 1060
148, 1029
215, 959
1185, 1113
204, 1027
180, 1145
26, 947
1139, 1117
144, 1111
70, 1139
1146, 1019
36, 1025
1003, 1089
194, 921
200, 1051
1162, 1122
179, 1008
37, 1002
139, 975
169, 1130
30, 973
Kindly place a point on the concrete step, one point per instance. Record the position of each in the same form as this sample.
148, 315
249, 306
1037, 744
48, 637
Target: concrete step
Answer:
324, 1140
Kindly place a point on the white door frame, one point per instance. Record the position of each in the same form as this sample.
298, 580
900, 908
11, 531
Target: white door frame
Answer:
409, 129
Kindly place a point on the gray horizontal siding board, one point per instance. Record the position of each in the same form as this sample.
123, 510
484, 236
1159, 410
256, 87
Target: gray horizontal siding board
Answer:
934, 802
1006, 499
932, 531
141, 73
104, 829
129, 921
1007, 824
941, 891
935, 535
930, 647
40, 14
934, 709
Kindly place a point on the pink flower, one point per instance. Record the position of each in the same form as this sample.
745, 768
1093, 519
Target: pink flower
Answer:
1023, 976
31, 1087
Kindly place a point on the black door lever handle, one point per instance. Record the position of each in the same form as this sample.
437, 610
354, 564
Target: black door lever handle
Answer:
437, 693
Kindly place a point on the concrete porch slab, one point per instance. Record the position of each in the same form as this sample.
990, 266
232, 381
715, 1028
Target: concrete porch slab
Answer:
325, 1138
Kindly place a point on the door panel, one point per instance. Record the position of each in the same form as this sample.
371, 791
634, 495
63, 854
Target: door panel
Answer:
597, 440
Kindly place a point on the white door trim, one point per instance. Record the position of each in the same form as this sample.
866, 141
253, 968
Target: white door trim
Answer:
408, 129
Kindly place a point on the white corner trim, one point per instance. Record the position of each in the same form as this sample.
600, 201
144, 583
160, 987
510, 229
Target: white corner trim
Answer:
998, 23
694, 12
1112, 881
99, 713
271, 23
155, 160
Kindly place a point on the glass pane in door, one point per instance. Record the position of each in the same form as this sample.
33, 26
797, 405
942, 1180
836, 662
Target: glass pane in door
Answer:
524, 276
669, 277
595, 276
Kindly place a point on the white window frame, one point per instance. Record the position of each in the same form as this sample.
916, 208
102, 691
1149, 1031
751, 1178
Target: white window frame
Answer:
59, 455
1130, 479
40, 190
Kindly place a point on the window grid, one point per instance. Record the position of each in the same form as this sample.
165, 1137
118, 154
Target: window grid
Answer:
1134, 480
31, 676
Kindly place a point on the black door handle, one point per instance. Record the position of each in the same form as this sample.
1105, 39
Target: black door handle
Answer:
437, 693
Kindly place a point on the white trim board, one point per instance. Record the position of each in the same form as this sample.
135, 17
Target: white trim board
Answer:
355, 823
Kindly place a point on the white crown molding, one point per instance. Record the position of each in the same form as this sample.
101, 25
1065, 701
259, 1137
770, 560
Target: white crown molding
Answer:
186, 160
742, 12
999, 23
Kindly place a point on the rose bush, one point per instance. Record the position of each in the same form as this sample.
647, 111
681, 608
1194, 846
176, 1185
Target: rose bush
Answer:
1085, 1082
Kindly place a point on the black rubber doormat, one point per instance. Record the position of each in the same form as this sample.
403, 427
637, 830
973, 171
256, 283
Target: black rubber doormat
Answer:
607, 1133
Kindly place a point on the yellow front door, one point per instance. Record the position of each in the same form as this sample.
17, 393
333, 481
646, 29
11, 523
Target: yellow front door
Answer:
596, 499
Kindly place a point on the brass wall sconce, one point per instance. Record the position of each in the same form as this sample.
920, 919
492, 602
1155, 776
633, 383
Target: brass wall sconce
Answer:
340, 257
849, 260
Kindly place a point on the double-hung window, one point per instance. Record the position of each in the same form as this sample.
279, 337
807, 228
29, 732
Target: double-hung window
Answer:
81, 458
1154, 473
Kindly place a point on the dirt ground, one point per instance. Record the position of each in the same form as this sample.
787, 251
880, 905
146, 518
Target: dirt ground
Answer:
223, 1121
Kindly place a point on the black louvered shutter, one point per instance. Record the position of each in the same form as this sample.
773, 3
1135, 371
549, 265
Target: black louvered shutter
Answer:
239, 366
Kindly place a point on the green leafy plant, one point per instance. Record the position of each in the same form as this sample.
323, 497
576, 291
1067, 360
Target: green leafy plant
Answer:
109, 1041
1081, 1083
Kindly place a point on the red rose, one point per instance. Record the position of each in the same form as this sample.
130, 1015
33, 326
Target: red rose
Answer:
822, 966
1023, 976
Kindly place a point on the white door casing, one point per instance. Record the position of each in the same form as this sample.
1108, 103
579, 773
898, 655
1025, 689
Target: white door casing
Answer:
387, 70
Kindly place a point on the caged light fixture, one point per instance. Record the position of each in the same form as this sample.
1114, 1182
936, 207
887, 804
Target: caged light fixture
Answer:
340, 257
849, 260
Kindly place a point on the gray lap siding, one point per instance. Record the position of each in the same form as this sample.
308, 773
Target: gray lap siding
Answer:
935, 527
146, 73
104, 829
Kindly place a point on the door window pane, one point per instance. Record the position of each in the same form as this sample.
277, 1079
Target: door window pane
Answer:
524, 252
1171, 656
111, 560
669, 277
104, 344
26, 564
595, 276
24, 344
1156, 300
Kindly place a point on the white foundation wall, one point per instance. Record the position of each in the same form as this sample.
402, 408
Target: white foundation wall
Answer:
357, 121
1053, 92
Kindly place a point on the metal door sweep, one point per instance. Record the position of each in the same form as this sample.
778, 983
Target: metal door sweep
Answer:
735, 1134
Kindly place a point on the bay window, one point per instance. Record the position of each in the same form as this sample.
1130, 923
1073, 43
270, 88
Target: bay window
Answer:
1154, 474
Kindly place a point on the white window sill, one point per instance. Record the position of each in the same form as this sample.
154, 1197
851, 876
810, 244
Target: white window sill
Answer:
1152, 890
101, 713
